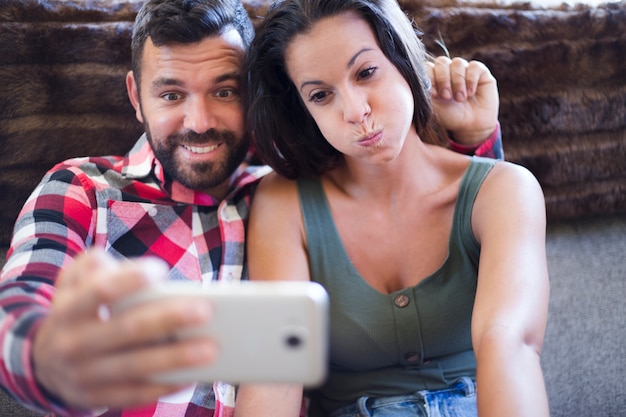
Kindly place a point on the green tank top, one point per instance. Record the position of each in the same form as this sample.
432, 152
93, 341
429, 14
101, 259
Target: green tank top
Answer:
392, 344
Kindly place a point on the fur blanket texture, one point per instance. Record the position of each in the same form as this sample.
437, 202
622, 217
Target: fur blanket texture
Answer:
560, 72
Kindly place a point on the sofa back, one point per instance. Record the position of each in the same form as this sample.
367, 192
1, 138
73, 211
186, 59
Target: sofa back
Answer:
560, 73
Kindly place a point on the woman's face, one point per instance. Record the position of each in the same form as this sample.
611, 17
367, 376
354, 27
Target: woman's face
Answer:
358, 98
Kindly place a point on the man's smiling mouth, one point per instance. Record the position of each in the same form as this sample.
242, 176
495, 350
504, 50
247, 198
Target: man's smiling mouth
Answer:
201, 149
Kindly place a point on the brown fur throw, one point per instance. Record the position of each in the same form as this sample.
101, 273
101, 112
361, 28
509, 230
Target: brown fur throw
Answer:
561, 75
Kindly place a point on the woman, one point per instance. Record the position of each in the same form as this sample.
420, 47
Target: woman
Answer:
435, 262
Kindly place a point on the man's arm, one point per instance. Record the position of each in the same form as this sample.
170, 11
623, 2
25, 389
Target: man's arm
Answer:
489, 148
44, 242
465, 99
52, 285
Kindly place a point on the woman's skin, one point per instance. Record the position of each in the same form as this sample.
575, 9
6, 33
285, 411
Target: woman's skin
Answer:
392, 201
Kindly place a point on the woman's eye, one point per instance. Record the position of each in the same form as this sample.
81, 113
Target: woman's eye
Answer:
318, 97
366, 73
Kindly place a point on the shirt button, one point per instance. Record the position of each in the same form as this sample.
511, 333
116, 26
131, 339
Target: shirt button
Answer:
401, 301
152, 211
412, 357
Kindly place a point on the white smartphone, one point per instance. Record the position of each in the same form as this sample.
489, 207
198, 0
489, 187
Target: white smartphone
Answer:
267, 331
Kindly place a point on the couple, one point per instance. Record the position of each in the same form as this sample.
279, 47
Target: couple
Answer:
409, 218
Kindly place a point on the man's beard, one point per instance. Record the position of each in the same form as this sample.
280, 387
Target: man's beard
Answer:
201, 176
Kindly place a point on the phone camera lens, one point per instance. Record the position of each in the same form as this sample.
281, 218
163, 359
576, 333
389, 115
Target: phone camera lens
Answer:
293, 341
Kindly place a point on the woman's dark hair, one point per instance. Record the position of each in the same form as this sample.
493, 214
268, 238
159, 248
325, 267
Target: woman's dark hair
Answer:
185, 22
286, 136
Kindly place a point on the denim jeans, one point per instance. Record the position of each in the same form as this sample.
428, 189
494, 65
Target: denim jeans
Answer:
457, 401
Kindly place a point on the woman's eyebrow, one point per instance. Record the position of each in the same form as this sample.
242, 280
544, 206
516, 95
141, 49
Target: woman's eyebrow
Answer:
350, 64
353, 59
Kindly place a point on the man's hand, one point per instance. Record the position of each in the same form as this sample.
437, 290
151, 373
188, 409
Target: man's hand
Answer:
90, 360
465, 98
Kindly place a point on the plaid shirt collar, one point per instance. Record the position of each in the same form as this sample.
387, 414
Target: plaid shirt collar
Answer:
141, 162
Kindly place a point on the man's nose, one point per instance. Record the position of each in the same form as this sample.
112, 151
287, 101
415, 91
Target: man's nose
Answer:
200, 116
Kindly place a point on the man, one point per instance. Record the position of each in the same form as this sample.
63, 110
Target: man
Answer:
182, 195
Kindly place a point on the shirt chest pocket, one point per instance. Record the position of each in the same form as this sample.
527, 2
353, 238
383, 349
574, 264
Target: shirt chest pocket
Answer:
146, 229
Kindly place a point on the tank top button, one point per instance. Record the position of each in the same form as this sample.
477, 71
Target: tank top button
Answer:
401, 301
412, 357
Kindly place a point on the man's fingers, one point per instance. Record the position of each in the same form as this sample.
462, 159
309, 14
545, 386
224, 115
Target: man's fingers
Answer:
450, 78
120, 395
80, 287
85, 264
458, 79
88, 286
142, 365
145, 324
439, 72
124, 379
477, 74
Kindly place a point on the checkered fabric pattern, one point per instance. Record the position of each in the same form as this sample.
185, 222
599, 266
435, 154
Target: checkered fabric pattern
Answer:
124, 205
489, 148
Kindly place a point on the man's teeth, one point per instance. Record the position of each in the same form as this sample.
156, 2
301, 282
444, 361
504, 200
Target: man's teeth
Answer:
200, 149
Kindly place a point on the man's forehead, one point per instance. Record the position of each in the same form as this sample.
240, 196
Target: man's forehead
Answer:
222, 49
229, 37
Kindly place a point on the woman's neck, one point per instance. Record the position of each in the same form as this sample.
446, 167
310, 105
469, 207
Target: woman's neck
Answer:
413, 171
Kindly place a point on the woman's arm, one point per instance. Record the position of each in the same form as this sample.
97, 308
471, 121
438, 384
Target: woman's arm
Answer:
268, 400
510, 312
276, 251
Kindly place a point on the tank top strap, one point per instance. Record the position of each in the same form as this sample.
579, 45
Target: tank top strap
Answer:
471, 182
321, 234
314, 205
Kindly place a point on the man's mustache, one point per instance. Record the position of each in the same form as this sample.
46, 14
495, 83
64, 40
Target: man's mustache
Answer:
211, 135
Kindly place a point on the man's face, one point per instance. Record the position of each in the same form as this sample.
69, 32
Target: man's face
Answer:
189, 101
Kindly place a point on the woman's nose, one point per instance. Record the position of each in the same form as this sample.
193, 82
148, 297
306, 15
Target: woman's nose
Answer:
356, 109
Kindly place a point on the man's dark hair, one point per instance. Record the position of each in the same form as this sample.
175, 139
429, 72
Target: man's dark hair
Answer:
285, 134
185, 22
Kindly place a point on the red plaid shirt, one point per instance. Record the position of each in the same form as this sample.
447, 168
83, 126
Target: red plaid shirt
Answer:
124, 205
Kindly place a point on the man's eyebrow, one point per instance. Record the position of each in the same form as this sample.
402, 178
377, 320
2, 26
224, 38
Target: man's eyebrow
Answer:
350, 64
229, 76
165, 82
173, 82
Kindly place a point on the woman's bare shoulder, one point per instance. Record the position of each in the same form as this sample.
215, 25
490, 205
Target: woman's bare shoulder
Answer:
274, 184
275, 193
506, 174
510, 195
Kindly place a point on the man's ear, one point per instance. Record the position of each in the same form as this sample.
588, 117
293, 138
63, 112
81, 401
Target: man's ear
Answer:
133, 95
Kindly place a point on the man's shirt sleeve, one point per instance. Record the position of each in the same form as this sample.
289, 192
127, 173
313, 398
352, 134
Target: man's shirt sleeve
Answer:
50, 231
489, 148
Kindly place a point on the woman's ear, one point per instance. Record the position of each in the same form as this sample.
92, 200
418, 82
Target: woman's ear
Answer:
133, 95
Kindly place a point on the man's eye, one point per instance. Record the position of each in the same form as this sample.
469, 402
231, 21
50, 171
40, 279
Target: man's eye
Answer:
171, 96
226, 93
